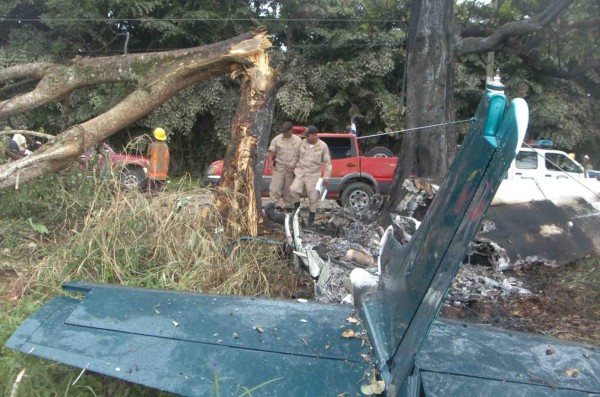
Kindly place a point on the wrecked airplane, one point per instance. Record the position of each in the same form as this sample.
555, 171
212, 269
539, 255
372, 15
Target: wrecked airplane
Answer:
392, 344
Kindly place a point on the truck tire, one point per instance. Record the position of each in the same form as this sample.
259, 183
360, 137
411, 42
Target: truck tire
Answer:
357, 196
133, 177
380, 151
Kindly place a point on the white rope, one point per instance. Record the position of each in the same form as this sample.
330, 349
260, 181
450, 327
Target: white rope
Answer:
417, 128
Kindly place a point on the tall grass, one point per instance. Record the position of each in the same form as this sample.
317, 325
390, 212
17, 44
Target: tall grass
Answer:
174, 240
98, 233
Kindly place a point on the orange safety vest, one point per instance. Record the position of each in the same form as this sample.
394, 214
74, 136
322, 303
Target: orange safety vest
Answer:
159, 161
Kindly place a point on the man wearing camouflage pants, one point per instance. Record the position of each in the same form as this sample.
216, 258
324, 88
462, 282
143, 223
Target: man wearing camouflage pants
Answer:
313, 154
283, 152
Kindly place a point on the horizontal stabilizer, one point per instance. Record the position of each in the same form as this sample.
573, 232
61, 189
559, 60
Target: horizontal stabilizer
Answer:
461, 359
180, 342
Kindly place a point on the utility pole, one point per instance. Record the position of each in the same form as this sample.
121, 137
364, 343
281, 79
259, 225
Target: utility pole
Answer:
489, 70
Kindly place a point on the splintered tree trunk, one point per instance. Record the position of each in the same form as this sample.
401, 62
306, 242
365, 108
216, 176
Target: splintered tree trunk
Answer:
240, 186
426, 152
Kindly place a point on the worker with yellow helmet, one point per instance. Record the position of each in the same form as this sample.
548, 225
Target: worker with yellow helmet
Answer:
158, 151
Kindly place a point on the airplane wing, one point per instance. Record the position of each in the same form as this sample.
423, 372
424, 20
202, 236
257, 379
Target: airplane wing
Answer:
460, 359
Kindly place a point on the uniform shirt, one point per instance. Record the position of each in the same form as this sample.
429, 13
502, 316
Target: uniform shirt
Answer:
21, 141
312, 157
159, 160
286, 150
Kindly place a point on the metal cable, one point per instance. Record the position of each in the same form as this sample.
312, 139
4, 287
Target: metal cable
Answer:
417, 128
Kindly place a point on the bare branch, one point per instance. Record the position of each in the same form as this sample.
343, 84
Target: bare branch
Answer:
35, 70
59, 81
468, 45
586, 74
18, 84
30, 133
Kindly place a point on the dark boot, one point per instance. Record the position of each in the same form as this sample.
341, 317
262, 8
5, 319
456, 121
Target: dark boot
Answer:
311, 218
296, 206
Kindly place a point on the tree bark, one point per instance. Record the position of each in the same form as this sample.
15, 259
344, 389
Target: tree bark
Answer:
429, 93
433, 45
239, 191
163, 76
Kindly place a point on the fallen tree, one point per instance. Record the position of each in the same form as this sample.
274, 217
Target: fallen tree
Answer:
159, 76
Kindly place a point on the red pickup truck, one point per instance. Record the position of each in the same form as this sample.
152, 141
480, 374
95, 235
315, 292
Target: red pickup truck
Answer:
132, 168
354, 178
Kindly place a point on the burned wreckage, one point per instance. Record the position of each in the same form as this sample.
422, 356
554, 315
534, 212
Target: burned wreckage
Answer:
390, 343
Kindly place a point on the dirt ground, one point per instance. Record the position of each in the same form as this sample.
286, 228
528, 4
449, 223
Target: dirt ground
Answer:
564, 303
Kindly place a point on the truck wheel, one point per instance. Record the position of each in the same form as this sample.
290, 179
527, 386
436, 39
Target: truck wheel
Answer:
380, 151
357, 196
133, 178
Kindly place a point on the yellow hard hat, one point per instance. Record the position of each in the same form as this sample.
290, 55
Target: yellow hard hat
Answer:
160, 134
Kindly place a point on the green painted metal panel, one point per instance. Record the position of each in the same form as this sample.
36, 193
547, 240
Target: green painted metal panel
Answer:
491, 353
416, 277
406, 278
307, 329
182, 366
444, 385
509, 136
496, 107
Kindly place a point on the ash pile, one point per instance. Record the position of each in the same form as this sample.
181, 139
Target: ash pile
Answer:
342, 240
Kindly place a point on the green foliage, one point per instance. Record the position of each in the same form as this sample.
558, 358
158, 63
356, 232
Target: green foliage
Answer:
38, 227
49, 200
347, 66
336, 59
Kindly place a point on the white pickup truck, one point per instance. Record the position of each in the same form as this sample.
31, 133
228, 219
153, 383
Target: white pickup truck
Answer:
544, 164
546, 174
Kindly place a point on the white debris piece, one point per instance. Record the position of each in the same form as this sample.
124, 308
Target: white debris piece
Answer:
361, 279
315, 263
348, 300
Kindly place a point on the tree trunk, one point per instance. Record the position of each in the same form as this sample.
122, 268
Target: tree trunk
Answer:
239, 190
160, 77
430, 60
433, 45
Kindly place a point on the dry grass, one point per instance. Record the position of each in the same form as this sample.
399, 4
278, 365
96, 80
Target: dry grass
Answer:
97, 233
174, 241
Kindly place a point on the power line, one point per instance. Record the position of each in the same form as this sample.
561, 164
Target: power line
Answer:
258, 19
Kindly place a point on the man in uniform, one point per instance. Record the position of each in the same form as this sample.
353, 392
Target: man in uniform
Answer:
313, 154
283, 152
158, 151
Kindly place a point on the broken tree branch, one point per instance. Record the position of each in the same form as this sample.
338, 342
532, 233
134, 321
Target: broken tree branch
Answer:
29, 133
156, 84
